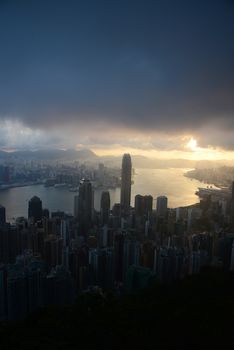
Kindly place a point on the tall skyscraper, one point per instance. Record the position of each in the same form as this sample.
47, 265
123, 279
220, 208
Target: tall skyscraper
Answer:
232, 203
143, 205
35, 208
232, 191
76, 206
3, 292
2, 215
162, 206
126, 176
84, 205
105, 207
148, 204
139, 205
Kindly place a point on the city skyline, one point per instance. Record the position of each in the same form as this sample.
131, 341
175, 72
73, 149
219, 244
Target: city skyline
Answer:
50, 257
116, 174
149, 78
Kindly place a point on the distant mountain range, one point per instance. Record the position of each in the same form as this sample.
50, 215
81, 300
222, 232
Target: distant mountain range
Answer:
139, 161
51, 154
86, 155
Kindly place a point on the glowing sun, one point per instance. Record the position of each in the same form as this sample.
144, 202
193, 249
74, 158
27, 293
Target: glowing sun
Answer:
192, 144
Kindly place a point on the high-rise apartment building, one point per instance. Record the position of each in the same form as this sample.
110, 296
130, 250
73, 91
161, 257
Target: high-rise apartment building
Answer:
2, 215
161, 206
143, 205
84, 205
232, 192
35, 208
232, 203
105, 207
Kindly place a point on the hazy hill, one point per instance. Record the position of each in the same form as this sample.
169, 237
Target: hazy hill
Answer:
51, 154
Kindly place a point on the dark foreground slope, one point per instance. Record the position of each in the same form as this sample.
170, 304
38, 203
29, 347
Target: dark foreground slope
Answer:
195, 313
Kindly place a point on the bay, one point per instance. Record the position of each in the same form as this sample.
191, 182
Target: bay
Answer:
172, 183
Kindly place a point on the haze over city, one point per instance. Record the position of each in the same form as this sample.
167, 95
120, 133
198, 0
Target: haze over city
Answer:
153, 78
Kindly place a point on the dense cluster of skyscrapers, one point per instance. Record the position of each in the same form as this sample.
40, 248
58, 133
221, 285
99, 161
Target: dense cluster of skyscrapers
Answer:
48, 257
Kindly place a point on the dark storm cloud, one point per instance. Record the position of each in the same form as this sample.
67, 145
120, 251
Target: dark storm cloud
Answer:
163, 65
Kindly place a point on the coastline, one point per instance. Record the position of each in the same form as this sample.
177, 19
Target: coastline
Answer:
15, 185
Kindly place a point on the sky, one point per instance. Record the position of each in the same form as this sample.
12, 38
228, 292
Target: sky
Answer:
152, 77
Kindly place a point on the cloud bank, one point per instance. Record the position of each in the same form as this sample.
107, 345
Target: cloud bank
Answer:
148, 67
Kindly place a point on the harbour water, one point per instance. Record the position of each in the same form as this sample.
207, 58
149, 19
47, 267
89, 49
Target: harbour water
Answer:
179, 189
